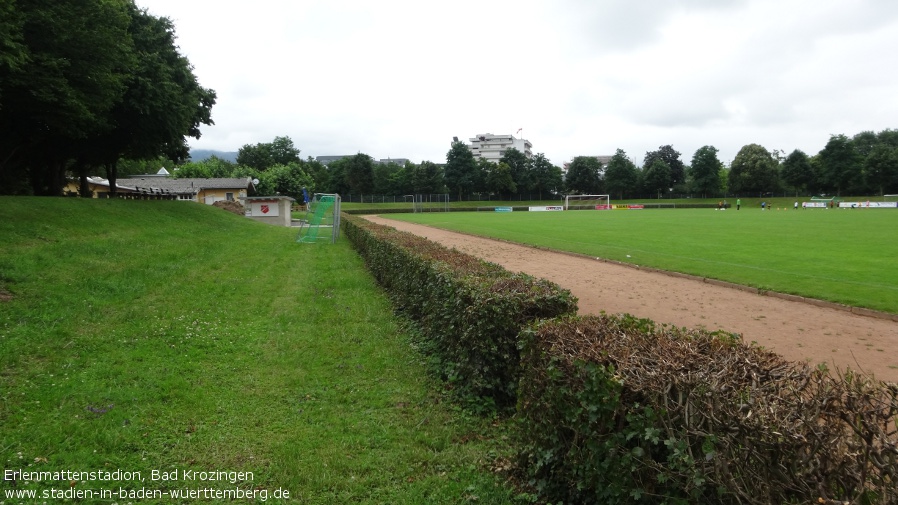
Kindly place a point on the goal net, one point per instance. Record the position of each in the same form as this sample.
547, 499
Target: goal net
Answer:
587, 202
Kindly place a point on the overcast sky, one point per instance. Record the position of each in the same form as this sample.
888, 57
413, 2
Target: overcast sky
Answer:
579, 77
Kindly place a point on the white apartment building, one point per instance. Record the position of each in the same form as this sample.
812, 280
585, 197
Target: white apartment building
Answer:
493, 147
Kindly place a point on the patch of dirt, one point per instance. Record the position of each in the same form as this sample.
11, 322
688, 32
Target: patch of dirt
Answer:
794, 329
5, 295
234, 207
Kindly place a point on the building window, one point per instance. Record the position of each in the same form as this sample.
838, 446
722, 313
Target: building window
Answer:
229, 197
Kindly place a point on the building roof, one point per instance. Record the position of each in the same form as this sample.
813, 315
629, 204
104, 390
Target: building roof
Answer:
187, 185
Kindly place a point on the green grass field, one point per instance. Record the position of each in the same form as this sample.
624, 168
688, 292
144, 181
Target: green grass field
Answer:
169, 336
843, 255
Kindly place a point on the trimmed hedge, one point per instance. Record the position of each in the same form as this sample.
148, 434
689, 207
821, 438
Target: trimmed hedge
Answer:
470, 312
618, 410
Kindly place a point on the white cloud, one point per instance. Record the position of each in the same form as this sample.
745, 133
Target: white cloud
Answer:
401, 78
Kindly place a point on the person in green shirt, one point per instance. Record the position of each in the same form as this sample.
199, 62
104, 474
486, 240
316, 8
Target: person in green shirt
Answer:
738, 203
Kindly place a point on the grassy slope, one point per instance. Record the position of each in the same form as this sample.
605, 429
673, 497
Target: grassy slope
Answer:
172, 336
842, 255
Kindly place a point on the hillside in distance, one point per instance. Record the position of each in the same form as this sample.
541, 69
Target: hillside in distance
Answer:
203, 154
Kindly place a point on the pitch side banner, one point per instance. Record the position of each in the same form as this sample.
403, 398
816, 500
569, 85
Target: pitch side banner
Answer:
621, 206
819, 205
868, 205
503, 209
546, 208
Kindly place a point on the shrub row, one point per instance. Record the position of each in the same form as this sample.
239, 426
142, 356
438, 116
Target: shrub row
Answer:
619, 410
615, 409
470, 312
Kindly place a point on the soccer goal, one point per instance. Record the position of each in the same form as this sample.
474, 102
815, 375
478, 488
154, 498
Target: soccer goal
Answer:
587, 202
431, 203
323, 212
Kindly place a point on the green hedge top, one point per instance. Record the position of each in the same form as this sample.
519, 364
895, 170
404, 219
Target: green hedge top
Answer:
470, 312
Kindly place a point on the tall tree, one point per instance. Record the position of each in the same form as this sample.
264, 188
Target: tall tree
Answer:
520, 169
583, 175
162, 105
705, 171
211, 167
841, 165
360, 173
384, 176
262, 155
656, 177
671, 157
888, 137
288, 180
621, 175
461, 169
336, 180
797, 172
102, 80
66, 71
499, 180
753, 171
13, 52
547, 178
427, 178
882, 168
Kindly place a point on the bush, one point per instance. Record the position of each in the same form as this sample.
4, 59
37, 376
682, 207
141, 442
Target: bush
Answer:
618, 410
469, 311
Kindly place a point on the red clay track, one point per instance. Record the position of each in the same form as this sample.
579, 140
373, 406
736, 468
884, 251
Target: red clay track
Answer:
797, 330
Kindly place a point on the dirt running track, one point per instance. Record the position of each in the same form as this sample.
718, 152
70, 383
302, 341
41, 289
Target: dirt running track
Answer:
794, 329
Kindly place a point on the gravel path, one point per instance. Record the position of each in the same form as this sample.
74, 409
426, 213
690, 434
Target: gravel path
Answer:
797, 330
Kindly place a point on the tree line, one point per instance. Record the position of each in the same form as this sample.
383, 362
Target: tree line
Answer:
90, 86
86, 85
866, 164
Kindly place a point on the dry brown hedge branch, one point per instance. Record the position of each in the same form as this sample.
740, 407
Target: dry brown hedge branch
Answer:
782, 431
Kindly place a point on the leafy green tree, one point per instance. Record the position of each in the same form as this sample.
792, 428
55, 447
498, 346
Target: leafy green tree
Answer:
284, 180
212, 167
461, 169
621, 175
705, 171
336, 180
499, 180
359, 173
317, 171
583, 175
547, 178
384, 175
797, 172
882, 168
280, 151
656, 177
427, 178
864, 142
65, 72
754, 170
102, 81
888, 137
671, 157
520, 169
163, 103
13, 52
840, 165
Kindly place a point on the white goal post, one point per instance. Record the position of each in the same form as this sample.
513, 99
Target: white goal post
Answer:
587, 202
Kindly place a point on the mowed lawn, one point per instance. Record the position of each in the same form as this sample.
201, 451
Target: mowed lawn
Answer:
848, 256
142, 336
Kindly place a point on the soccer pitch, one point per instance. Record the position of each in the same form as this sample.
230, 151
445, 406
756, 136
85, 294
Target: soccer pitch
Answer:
842, 255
